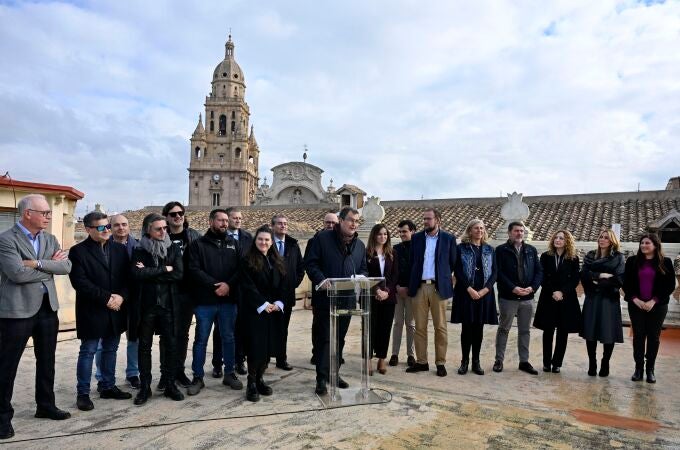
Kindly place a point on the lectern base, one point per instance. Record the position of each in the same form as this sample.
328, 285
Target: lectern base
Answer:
352, 396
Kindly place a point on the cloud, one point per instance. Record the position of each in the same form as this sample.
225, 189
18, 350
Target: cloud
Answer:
448, 99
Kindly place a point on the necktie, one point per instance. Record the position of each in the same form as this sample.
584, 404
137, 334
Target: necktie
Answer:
280, 247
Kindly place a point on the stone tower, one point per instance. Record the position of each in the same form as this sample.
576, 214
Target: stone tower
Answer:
223, 168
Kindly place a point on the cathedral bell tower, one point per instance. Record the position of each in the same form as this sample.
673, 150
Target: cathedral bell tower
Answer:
223, 168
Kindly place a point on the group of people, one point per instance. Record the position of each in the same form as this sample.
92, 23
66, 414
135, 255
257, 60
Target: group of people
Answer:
241, 288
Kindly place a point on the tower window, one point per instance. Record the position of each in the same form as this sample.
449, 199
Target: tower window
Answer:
212, 114
196, 184
236, 76
233, 114
198, 152
216, 199
233, 126
235, 92
223, 125
221, 159
212, 126
224, 74
237, 154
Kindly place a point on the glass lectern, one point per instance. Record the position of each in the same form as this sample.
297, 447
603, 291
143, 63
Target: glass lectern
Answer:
350, 297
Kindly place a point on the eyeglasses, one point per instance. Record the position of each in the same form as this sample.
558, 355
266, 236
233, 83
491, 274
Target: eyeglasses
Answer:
176, 214
101, 228
46, 214
160, 228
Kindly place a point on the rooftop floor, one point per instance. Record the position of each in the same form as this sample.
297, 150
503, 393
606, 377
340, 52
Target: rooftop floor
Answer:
510, 409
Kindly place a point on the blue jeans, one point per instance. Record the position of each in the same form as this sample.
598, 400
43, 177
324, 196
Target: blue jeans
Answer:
88, 348
205, 316
132, 369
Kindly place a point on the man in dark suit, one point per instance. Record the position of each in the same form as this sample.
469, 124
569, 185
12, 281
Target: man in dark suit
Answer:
100, 279
433, 257
336, 253
29, 259
243, 240
289, 250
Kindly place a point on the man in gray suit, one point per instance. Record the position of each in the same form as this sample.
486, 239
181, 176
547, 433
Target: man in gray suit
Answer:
29, 259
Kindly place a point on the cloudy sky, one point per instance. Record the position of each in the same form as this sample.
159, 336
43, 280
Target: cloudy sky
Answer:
405, 99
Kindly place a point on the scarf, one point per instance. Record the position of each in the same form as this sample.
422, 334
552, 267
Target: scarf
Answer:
158, 249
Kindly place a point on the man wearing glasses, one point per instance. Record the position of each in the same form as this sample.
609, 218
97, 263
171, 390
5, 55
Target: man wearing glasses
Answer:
29, 259
100, 279
181, 235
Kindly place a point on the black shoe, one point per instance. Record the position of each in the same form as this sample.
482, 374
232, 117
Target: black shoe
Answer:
133, 382
183, 380
321, 388
312, 360
592, 367
217, 372
650, 375
6, 431
462, 370
232, 381
546, 368
143, 395
394, 360
84, 403
283, 365
639, 372
556, 369
241, 368
418, 367
410, 361
604, 368
195, 387
441, 370
476, 367
162, 384
115, 394
251, 393
342, 384
172, 392
53, 413
263, 388
498, 366
528, 368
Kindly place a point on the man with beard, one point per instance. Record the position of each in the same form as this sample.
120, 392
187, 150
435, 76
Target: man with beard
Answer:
243, 240
336, 253
157, 267
213, 264
181, 236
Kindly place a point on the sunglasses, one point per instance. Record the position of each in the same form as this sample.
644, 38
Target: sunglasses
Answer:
101, 228
160, 228
176, 214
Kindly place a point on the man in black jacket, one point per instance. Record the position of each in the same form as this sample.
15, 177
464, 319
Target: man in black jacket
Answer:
403, 313
213, 266
181, 236
519, 276
99, 276
337, 253
289, 250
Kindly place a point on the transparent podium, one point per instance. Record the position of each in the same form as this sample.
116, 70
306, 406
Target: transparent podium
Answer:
349, 297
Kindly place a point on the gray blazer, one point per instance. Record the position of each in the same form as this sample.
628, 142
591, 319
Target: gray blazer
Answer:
21, 288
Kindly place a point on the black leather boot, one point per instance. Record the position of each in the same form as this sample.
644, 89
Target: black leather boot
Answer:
462, 370
476, 367
639, 371
650, 372
592, 367
604, 368
144, 394
172, 392
263, 388
251, 390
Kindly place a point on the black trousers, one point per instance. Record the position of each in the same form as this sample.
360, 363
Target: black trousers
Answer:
239, 342
591, 346
157, 320
471, 335
14, 334
182, 339
646, 328
556, 357
382, 316
321, 327
283, 354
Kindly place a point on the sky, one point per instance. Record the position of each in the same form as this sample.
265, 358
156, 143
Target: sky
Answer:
405, 99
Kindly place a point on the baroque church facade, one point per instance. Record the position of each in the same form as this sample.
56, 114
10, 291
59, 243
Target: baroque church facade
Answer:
223, 168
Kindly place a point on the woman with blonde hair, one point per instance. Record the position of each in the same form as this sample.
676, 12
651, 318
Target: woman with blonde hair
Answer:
558, 308
475, 300
602, 277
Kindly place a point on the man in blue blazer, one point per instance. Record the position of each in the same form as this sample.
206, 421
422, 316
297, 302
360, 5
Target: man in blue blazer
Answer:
433, 257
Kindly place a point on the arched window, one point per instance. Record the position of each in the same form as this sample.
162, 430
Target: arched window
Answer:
233, 126
223, 125
198, 152
212, 126
237, 153
233, 114
212, 114
216, 199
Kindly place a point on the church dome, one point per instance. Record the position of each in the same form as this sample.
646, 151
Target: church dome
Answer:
228, 69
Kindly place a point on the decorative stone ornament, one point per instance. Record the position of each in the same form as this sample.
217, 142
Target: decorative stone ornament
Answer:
372, 213
515, 210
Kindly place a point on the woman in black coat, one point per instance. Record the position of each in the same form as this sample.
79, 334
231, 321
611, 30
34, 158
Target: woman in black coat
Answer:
381, 260
648, 283
474, 301
262, 307
558, 308
602, 277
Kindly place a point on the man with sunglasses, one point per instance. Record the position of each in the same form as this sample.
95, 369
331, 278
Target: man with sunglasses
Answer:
100, 279
29, 259
181, 235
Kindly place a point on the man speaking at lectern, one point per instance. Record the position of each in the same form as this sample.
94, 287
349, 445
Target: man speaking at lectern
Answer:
336, 253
